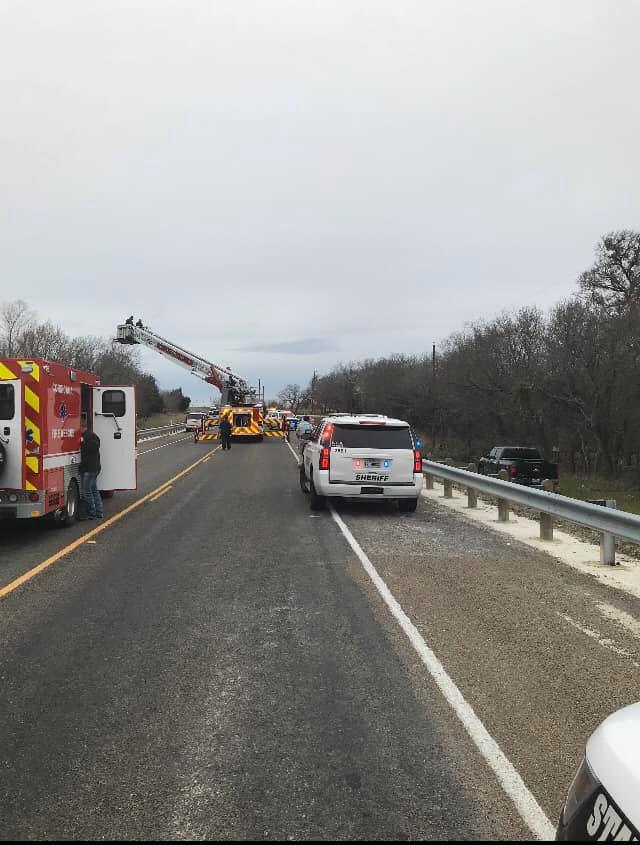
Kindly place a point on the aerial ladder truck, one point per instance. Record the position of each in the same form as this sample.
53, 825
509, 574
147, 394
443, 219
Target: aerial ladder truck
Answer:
239, 401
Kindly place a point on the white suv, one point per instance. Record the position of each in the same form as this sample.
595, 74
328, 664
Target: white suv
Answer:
364, 456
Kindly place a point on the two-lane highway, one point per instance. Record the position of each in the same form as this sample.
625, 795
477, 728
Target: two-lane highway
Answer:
217, 663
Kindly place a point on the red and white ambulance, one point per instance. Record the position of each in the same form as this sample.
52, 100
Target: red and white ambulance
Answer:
42, 406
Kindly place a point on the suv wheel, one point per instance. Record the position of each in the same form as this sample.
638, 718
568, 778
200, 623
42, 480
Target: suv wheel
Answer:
303, 480
408, 505
316, 502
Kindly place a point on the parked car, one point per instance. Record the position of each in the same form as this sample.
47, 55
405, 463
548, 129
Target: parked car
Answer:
603, 801
364, 456
524, 465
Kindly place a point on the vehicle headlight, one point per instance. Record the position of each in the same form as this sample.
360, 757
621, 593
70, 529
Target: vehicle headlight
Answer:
13, 498
581, 790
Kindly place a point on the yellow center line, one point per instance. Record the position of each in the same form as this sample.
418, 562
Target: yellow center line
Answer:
166, 489
13, 585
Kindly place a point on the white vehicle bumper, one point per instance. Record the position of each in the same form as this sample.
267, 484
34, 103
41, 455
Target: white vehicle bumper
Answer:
364, 490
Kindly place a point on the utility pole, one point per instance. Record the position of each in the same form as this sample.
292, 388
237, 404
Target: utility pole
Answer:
313, 388
434, 410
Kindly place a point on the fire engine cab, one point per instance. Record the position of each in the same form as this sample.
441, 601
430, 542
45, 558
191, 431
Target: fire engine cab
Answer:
42, 407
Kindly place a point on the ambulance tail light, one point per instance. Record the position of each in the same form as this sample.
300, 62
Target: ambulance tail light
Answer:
33, 497
417, 461
325, 458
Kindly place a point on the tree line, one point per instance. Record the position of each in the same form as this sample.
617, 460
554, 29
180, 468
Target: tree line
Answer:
23, 335
566, 380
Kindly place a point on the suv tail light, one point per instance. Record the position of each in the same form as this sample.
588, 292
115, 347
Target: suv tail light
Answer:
325, 458
556, 471
513, 470
417, 461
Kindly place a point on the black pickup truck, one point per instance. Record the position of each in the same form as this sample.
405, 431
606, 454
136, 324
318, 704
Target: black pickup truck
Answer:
523, 465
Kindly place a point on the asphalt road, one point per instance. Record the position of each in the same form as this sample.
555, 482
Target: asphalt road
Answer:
217, 664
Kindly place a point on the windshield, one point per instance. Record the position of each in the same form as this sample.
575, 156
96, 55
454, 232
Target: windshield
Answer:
372, 437
521, 454
7, 402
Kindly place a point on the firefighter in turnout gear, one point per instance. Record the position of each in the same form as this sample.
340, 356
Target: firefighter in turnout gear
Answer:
225, 432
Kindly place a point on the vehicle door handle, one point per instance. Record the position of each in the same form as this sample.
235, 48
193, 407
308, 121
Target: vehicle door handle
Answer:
117, 435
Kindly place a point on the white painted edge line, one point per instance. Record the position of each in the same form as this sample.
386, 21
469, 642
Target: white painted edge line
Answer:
528, 808
164, 446
293, 451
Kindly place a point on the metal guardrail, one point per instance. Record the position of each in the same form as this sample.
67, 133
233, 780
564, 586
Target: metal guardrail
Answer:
606, 520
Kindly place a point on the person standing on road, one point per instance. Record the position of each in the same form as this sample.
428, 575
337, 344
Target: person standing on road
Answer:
225, 432
304, 429
90, 470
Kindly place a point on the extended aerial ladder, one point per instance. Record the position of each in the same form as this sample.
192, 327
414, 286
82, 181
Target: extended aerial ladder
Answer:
234, 389
240, 403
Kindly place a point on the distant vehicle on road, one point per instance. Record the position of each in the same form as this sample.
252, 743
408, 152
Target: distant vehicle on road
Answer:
603, 801
193, 421
524, 465
366, 456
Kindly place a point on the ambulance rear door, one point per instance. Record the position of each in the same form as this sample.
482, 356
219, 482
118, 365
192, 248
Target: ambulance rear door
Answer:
11, 434
114, 421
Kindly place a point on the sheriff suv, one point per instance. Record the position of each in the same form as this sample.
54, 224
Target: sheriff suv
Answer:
363, 456
602, 804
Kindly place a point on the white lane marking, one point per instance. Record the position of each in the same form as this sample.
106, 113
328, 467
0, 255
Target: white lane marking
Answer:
528, 808
621, 617
605, 642
160, 436
293, 452
164, 446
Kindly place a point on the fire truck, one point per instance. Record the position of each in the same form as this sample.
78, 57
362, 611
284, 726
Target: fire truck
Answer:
239, 402
42, 407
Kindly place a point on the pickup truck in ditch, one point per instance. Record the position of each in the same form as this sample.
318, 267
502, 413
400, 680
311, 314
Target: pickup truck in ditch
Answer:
523, 464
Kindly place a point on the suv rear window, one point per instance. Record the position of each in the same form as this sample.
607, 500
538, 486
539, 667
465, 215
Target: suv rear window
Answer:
7, 402
521, 454
371, 437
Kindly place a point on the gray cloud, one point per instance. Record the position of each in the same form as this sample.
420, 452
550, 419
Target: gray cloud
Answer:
309, 346
376, 172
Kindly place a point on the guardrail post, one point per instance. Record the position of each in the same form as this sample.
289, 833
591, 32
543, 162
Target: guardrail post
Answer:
608, 542
503, 504
448, 489
428, 481
546, 526
608, 549
472, 498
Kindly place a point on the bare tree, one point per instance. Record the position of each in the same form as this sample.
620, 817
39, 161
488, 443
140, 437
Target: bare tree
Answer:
15, 318
614, 280
291, 397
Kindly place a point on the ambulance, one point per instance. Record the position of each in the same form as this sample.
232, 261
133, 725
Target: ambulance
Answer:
42, 407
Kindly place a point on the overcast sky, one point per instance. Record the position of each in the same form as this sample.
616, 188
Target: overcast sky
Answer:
281, 185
